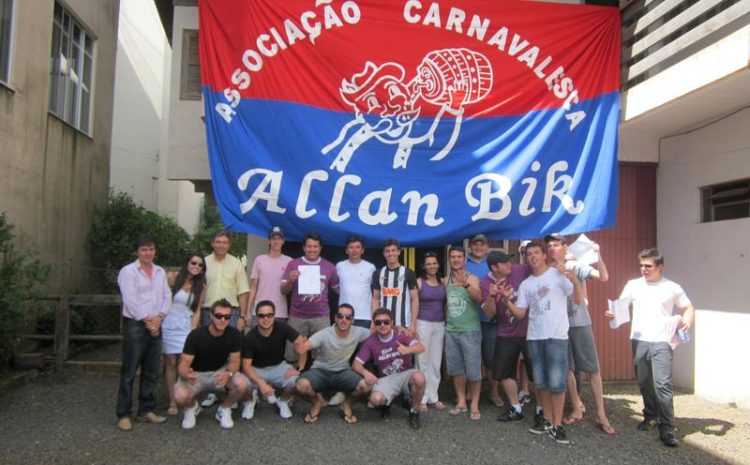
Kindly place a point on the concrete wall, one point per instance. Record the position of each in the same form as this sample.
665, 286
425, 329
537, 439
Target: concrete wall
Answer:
139, 147
710, 260
52, 176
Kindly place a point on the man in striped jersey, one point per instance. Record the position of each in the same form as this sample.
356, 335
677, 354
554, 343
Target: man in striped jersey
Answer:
394, 287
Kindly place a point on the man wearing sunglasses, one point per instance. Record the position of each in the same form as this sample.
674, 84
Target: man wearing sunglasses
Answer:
653, 340
210, 360
263, 364
331, 371
391, 353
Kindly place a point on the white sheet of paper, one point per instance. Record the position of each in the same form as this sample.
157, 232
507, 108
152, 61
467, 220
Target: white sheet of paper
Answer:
309, 279
583, 249
621, 309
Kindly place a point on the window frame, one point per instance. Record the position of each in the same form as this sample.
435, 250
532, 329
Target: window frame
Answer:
71, 88
6, 61
189, 90
725, 194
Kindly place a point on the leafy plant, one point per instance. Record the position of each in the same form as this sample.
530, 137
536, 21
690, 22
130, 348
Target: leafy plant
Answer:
116, 228
20, 276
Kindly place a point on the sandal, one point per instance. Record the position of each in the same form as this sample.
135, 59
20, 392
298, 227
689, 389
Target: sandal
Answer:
172, 410
349, 419
311, 419
438, 405
571, 420
475, 416
457, 410
606, 429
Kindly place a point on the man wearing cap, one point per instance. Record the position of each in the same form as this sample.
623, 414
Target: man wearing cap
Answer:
265, 275
582, 347
511, 331
309, 312
476, 264
355, 281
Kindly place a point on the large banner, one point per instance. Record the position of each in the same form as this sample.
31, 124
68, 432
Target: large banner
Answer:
423, 121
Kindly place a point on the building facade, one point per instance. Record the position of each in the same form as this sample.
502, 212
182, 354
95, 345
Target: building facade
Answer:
56, 97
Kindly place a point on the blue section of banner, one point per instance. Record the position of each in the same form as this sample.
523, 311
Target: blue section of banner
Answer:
507, 177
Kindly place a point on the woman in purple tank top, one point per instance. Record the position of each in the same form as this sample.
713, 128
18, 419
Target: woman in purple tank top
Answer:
431, 328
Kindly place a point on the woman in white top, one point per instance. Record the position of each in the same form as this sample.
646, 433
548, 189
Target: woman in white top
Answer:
188, 292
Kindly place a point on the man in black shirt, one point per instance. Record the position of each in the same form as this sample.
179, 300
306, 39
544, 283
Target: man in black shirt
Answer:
210, 359
263, 366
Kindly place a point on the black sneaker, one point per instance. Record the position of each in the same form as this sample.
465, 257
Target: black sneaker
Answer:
541, 425
414, 422
558, 434
667, 437
511, 415
385, 411
648, 424
406, 402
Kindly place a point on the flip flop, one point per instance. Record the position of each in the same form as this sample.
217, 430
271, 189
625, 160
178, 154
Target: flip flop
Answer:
475, 416
349, 419
608, 429
570, 420
311, 419
458, 410
438, 405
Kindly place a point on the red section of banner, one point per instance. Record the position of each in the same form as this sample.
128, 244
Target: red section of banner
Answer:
520, 56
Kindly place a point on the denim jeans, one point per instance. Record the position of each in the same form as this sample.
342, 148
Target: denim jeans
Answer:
653, 369
549, 363
139, 348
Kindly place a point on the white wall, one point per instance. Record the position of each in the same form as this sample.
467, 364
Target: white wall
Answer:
141, 115
710, 260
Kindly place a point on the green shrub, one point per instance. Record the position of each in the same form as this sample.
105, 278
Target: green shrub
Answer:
116, 228
20, 276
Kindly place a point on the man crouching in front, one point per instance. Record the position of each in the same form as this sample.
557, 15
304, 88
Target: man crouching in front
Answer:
210, 359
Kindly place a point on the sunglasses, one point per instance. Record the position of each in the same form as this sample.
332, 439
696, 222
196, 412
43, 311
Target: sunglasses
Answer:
264, 315
196, 263
430, 255
341, 316
382, 322
223, 316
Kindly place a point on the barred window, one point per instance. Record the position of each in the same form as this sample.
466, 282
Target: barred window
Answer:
190, 74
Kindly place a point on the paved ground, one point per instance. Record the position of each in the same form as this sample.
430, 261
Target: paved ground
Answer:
69, 418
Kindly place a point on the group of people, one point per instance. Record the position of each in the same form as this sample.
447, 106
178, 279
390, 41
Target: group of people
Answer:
507, 323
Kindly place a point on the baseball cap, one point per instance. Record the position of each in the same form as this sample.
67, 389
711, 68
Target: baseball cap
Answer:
275, 231
555, 237
478, 237
522, 246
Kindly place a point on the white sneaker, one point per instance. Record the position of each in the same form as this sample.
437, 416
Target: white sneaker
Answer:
188, 421
224, 416
248, 409
272, 399
337, 399
284, 411
209, 400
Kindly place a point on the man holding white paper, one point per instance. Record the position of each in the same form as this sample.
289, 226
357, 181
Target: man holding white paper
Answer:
583, 357
308, 280
652, 333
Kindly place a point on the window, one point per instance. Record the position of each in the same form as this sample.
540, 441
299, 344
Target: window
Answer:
71, 68
190, 75
727, 201
6, 22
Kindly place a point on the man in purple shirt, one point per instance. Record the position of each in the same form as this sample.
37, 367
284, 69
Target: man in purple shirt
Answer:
391, 353
511, 331
146, 299
309, 312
